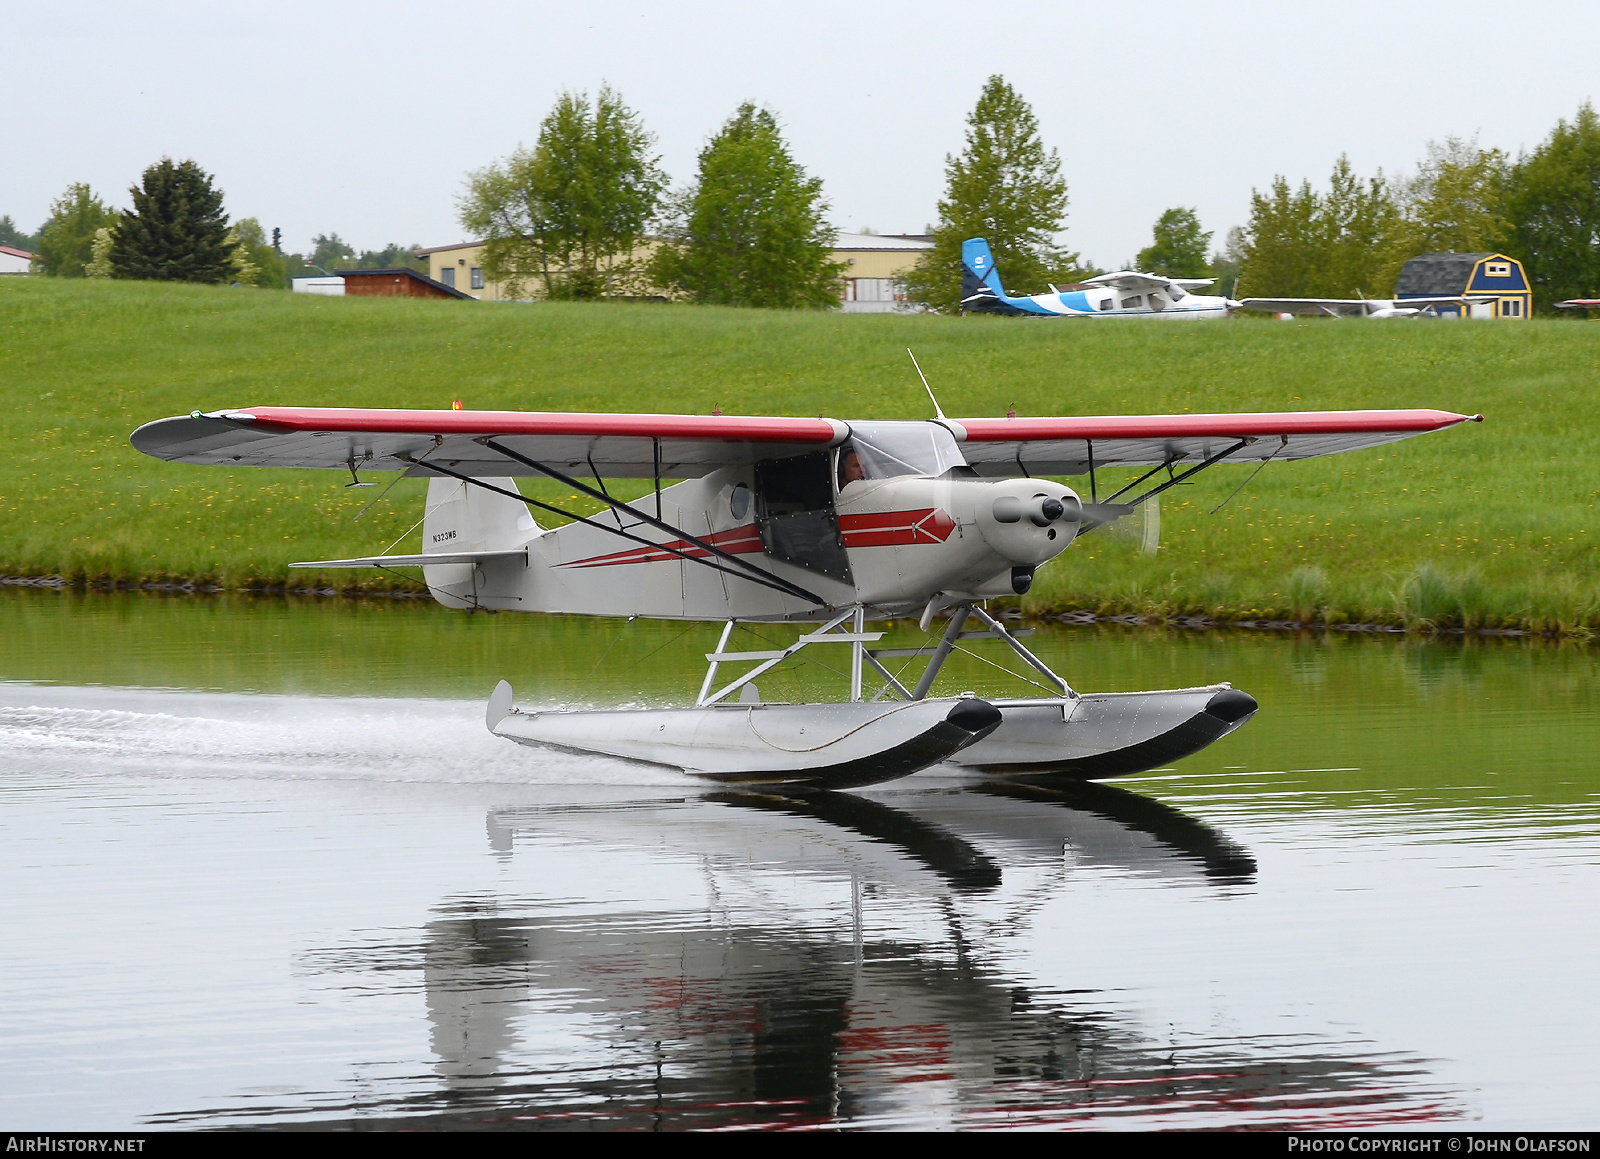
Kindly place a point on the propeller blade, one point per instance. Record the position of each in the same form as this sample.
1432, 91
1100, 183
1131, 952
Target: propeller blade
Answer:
1108, 515
1103, 514
1152, 525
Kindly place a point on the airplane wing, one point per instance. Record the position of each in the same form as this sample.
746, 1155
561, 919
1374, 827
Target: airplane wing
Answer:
617, 446
625, 446
1143, 283
1579, 304
1069, 446
1330, 307
1353, 307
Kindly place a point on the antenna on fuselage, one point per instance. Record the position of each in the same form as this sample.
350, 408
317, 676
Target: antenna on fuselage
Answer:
938, 413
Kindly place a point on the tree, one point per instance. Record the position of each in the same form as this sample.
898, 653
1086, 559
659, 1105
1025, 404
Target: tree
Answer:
1301, 244
66, 239
393, 256
12, 236
256, 260
177, 231
1358, 222
1281, 242
1553, 197
329, 251
1179, 250
1004, 187
1225, 263
569, 214
752, 230
1455, 203
99, 263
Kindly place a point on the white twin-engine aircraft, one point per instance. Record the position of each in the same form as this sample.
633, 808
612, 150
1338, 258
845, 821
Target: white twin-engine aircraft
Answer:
1125, 294
826, 523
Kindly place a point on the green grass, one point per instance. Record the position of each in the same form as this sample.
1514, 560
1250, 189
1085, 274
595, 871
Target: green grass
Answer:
1480, 526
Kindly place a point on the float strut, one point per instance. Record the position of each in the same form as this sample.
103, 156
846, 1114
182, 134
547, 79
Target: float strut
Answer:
958, 619
1016, 646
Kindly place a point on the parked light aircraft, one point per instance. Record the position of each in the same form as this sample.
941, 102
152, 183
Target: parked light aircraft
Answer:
1356, 307
1125, 294
815, 521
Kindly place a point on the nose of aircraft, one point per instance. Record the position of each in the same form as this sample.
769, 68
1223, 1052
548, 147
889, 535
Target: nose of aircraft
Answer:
1028, 521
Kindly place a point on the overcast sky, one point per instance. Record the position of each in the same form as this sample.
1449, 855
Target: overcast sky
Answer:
363, 119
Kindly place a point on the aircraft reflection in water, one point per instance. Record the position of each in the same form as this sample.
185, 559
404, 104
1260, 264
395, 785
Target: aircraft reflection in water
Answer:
767, 1006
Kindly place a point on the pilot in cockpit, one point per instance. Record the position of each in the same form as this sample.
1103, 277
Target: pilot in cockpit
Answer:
850, 469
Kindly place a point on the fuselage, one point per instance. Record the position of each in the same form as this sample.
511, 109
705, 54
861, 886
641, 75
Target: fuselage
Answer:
1105, 302
891, 519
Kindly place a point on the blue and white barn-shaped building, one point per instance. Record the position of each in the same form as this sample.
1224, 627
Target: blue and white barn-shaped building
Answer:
1499, 280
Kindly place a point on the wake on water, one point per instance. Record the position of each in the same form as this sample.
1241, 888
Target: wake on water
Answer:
54, 731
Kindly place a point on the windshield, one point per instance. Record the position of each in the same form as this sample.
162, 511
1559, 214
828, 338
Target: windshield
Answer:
886, 450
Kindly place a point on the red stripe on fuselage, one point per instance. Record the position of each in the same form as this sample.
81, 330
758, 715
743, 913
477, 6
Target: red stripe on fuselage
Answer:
735, 541
896, 528
878, 529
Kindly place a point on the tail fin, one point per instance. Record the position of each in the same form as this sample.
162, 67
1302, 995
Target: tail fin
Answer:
979, 278
460, 518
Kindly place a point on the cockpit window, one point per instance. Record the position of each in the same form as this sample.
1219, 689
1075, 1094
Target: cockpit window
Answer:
887, 450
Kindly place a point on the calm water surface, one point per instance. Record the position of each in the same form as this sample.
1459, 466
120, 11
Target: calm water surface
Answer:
264, 866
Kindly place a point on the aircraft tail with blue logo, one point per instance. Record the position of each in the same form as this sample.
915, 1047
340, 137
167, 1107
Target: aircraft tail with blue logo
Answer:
981, 291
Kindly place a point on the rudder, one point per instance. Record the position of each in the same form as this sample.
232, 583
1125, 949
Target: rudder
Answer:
463, 518
979, 278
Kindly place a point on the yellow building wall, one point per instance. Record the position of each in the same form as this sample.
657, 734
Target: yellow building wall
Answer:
876, 263
465, 259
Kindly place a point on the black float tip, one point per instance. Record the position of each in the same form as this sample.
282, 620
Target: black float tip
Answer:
1231, 706
974, 715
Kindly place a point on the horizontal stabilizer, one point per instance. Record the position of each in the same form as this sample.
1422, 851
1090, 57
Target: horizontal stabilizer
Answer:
438, 557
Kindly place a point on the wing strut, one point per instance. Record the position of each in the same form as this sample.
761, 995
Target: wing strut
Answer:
766, 579
1173, 481
749, 570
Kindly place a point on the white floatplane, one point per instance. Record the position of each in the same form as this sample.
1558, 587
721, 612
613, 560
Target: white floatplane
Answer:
817, 521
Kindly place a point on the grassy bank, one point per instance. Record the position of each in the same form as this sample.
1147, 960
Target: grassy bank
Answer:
1484, 526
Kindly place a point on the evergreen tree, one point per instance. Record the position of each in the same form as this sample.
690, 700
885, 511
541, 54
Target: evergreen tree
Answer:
753, 229
66, 239
177, 231
1554, 200
568, 215
12, 236
1179, 250
1004, 187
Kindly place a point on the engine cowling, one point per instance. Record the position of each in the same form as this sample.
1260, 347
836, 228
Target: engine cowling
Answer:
1028, 521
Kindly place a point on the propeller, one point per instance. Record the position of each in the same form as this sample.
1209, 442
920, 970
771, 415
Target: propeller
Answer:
1114, 517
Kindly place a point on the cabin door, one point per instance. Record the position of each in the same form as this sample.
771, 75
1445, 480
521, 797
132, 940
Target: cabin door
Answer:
794, 512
